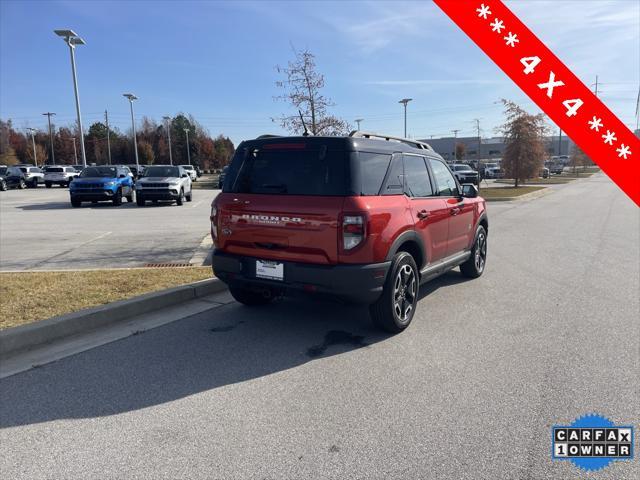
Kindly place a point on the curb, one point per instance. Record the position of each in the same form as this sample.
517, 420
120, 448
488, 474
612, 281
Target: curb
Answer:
526, 196
26, 337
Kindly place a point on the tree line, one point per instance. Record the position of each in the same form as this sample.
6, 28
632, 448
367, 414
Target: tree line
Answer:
153, 145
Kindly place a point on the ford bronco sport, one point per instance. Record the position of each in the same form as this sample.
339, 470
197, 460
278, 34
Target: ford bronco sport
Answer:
364, 218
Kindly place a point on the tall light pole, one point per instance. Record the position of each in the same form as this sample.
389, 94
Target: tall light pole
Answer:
167, 122
106, 120
33, 140
53, 156
358, 120
186, 131
131, 98
404, 101
72, 40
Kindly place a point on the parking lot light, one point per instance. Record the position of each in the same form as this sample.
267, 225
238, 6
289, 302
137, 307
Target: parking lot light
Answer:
186, 131
167, 122
72, 39
404, 101
33, 140
131, 98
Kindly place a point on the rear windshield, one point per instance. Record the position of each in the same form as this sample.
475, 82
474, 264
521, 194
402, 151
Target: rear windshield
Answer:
55, 169
290, 171
107, 172
162, 172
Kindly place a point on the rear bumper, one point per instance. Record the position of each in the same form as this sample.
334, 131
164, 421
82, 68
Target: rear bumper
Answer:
355, 283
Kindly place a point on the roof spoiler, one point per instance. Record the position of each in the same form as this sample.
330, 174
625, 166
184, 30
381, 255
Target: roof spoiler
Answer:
412, 143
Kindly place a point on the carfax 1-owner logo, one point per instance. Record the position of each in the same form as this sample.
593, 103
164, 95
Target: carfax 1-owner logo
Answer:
592, 442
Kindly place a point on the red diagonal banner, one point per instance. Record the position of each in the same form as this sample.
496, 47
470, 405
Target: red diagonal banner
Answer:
552, 86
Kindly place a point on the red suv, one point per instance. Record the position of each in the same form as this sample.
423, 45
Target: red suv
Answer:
364, 218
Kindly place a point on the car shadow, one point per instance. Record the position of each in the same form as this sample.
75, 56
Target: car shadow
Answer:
67, 206
222, 346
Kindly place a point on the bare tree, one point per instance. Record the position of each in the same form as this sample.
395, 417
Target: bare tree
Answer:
523, 136
302, 88
579, 159
461, 150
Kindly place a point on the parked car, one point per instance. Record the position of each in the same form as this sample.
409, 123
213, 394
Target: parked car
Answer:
556, 168
492, 170
103, 183
32, 175
545, 172
135, 171
59, 175
465, 174
164, 182
193, 175
223, 174
364, 218
78, 168
198, 171
12, 177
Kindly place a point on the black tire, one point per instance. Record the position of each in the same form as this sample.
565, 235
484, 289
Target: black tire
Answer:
180, 199
189, 197
117, 199
140, 201
395, 308
3, 186
48, 184
131, 197
474, 267
22, 185
75, 203
249, 298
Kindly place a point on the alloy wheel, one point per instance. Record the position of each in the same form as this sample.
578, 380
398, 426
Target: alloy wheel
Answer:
404, 293
480, 252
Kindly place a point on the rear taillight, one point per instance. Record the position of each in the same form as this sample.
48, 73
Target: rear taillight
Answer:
214, 219
353, 231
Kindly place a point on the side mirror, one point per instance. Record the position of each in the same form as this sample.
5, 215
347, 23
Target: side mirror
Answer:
469, 190
184, 175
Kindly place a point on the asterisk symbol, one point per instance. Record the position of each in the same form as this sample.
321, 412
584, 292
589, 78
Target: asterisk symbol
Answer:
623, 151
610, 137
483, 11
596, 123
497, 25
512, 39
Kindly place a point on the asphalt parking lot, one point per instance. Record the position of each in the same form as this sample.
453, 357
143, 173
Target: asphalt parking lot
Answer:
304, 389
40, 230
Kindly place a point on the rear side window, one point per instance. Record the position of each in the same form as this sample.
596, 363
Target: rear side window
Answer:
373, 168
289, 171
55, 170
416, 177
445, 182
394, 182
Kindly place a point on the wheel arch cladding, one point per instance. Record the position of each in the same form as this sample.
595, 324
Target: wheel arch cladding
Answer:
411, 243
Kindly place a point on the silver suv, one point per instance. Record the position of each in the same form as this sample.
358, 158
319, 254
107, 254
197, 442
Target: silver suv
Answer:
163, 183
32, 175
59, 175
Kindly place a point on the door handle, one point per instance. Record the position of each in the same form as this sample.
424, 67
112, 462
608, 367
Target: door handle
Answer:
422, 214
454, 211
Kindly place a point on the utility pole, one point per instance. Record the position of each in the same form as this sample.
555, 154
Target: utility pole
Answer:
53, 156
75, 151
596, 89
33, 140
404, 101
186, 131
358, 120
455, 136
106, 119
477, 120
168, 127
560, 143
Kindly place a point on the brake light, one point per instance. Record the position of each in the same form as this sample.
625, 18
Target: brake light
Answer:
284, 146
353, 230
213, 218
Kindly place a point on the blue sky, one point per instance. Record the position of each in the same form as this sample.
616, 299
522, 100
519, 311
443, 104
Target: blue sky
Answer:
216, 60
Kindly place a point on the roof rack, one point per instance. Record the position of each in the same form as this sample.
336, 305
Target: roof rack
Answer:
412, 143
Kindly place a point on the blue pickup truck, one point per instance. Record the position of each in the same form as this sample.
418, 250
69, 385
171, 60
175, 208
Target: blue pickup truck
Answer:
104, 183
